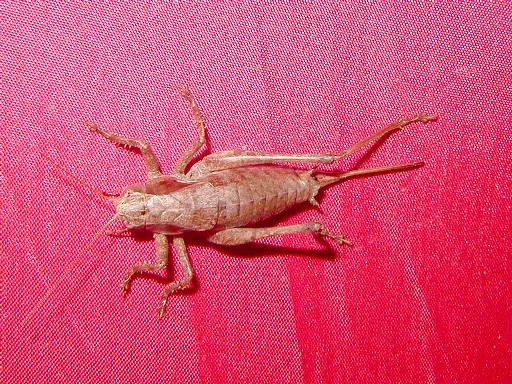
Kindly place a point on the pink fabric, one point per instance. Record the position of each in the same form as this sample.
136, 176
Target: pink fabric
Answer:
423, 296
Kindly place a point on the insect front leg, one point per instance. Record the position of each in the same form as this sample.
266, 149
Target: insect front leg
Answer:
236, 236
162, 253
181, 248
152, 166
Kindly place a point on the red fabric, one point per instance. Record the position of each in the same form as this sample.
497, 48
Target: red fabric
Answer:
423, 296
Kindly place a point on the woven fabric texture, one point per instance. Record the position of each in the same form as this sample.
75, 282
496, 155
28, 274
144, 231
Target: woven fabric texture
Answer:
423, 296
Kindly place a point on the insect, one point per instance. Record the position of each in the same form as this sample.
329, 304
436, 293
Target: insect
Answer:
223, 194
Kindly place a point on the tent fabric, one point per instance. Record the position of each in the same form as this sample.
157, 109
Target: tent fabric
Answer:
423, 295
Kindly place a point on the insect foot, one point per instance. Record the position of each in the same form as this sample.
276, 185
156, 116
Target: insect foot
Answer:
340, 239
422, 117
125, 286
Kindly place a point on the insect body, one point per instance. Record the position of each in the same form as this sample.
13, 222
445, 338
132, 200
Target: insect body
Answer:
222, 194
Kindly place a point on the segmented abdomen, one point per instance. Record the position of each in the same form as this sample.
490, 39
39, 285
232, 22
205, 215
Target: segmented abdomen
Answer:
249, 194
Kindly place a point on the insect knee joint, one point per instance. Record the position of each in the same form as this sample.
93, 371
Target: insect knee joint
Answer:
317, 227
143, 145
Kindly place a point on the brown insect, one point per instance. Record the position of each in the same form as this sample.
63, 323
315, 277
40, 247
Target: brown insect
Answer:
223, 193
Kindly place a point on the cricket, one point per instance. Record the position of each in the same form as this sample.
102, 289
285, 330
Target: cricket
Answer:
223, 194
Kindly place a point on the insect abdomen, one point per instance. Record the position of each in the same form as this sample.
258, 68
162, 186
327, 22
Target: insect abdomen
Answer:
250, 194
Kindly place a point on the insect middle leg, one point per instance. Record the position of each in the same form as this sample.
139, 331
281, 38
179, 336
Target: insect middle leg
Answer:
233, 159
236, 236
179, 170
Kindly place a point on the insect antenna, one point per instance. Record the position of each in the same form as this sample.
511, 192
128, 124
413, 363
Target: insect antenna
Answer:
67, 272
100, 194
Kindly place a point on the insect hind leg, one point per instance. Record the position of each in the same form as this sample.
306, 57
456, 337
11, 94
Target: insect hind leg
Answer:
234, 159
399, 124
237, 236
